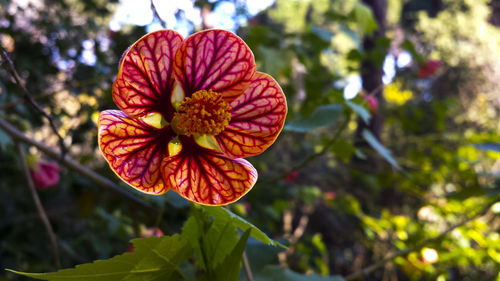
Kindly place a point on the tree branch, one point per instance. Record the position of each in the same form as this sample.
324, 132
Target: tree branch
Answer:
418, 246
22, 100
70, 163
157, 16
39, 206
10, 67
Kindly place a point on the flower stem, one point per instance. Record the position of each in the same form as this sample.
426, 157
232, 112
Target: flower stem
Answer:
39, 206
246, 266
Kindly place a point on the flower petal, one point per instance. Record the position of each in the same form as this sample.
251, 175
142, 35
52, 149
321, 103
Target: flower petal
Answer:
208, 178
134, 150
256, 120
145, 82
217, 60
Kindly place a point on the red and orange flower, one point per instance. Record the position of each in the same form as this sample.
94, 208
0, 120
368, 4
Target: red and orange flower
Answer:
190, 111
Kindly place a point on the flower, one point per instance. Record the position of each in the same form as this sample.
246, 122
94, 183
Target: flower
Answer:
428, 68
45, 174
291, 177
372, 103
190, 111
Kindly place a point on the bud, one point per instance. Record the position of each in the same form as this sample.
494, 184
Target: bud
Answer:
291, 177
44, 173
428, 68
329, 195
372, 103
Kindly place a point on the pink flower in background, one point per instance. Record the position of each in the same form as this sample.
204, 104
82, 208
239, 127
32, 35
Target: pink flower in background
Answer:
291, 177
145, 233
150, 232
329, 195
45, 174
372, 103
429, 68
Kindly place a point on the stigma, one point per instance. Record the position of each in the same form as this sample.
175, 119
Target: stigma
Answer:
204, 113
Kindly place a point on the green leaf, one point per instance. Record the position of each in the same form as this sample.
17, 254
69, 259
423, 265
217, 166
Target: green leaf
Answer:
277, 273
344, 150
324, 34
261, 255
408, 46
364, 18
154, 258
229, 269
211, 238
382, 150
223, 214
273, 60
323, 116
192, 233
488, 146
360, 110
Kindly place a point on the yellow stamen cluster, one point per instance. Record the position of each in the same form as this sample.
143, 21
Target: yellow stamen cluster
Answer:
204, 113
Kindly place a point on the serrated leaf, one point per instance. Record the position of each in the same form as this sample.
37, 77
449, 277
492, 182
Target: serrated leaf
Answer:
325, 115
220, 213
229, 269
360, 110
154, 258
277, 273
212, 238
382, 150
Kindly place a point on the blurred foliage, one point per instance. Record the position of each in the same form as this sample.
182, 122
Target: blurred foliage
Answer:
338, 206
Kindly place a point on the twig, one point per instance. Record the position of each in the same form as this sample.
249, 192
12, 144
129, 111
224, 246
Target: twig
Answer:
418, 246
39, 206
294, 237
313, 156
19, 101
374, 91
30, 99
157, 16
70, 163
246, 267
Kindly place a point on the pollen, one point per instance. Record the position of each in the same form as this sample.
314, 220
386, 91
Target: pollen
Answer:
204, 113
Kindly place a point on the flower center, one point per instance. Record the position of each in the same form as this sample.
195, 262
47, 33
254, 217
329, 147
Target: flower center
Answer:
204, 113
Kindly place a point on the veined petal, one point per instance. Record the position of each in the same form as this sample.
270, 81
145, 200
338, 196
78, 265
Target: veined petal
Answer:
208, 178
134, 150
256, 120
217, 60
145, 81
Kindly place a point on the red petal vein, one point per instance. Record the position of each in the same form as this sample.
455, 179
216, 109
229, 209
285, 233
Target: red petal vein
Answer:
257, 118
134, 150
216, 60
207, 178
145, 82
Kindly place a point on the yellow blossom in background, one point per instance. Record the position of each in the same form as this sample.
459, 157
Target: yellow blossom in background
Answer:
394, 94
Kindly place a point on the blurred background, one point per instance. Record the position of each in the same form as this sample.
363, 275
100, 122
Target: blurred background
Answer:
392, 140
